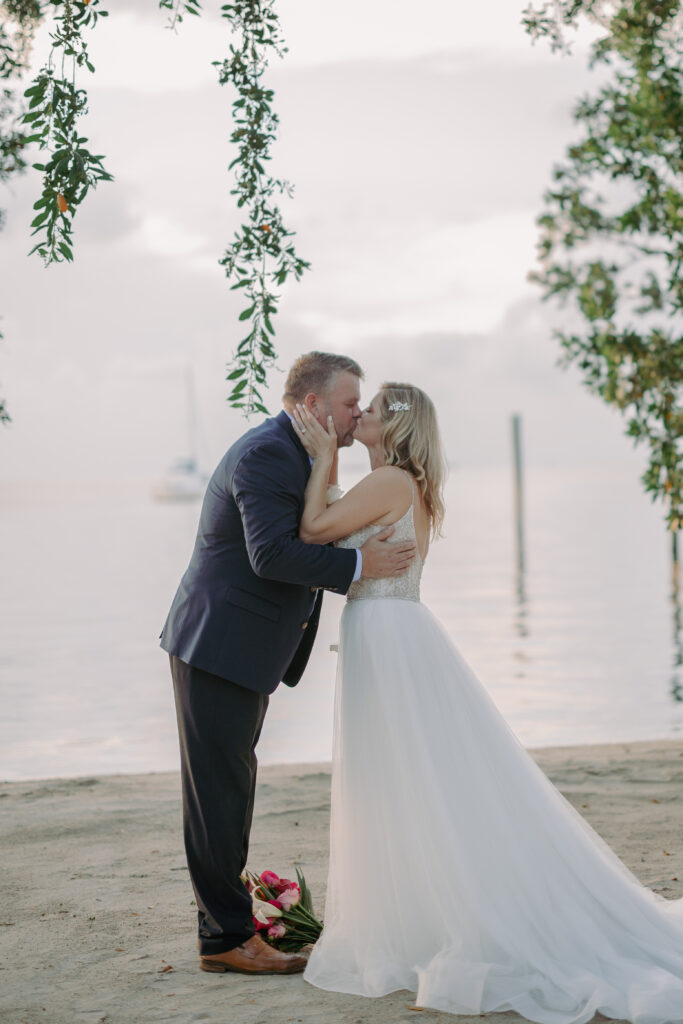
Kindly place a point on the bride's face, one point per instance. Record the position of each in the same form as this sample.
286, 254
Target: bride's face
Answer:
369, 429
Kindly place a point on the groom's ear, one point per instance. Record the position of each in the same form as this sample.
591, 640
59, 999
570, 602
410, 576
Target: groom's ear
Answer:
311, 403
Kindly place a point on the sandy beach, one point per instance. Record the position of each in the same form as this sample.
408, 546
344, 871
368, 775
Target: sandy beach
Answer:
97, 921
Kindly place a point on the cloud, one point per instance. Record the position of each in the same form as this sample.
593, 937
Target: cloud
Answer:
460, 275
417, 180
164, 237
316, 34
479, 379
134, 52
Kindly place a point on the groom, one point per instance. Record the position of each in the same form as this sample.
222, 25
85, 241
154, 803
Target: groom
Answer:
243, 619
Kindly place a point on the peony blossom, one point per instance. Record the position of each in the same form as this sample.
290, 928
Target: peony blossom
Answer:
276, 931
270, 879
290, 897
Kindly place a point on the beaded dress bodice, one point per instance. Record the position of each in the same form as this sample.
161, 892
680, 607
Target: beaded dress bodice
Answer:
405, 587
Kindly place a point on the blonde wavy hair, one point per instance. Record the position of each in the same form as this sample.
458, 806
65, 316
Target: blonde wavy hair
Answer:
411, 440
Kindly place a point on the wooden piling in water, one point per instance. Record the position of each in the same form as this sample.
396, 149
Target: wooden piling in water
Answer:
519, 487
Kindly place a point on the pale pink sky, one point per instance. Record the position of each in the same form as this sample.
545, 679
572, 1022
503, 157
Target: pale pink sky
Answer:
419, 147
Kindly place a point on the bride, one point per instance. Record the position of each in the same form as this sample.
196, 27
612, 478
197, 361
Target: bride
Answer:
457, 870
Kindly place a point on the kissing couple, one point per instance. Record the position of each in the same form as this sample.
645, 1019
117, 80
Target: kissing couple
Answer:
457, 870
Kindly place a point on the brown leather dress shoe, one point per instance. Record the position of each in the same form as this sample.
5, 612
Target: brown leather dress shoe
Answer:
254, 957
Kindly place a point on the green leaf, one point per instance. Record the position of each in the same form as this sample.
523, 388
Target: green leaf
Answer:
40, 219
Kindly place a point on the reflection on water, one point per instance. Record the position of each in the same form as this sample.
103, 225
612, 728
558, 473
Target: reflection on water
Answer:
521, 615
574, 641
521, 611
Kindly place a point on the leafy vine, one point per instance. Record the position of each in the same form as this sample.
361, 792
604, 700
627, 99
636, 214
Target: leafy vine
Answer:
261, 255
177, 7
19, 20
55, 104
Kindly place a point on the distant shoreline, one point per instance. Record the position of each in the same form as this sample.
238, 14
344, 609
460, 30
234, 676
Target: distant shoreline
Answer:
547, 753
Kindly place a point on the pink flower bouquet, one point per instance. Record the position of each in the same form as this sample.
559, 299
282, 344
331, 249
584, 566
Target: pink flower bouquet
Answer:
282, 910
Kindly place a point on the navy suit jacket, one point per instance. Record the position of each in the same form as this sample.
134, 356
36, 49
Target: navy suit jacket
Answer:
247, 607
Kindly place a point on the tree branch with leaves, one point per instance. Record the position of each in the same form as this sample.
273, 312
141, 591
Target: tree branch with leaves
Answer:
55, 105
611, 239
19, 21
261, 256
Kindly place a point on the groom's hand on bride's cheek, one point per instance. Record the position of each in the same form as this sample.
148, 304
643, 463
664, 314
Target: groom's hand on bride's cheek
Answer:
381, 559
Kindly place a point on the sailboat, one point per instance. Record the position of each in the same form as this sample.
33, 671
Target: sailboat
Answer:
184, 480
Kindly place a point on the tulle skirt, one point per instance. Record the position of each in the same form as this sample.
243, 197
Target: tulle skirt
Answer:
457, 870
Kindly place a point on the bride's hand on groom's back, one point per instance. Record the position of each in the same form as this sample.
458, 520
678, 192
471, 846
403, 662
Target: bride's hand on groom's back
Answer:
381, 559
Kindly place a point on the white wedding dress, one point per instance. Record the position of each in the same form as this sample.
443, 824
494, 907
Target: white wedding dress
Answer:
457, 870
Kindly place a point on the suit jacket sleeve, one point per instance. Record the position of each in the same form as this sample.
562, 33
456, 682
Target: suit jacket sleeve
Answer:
270, 505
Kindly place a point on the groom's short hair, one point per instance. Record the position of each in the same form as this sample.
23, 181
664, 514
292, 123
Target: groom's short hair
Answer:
315, 372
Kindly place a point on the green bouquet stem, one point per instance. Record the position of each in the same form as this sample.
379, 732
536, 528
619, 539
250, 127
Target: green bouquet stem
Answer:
301, 915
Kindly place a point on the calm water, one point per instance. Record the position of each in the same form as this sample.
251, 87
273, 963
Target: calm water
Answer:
582, 648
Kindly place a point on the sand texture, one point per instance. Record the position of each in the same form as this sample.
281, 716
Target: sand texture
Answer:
97, 920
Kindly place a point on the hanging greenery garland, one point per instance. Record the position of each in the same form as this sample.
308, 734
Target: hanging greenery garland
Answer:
261, 256
55, 105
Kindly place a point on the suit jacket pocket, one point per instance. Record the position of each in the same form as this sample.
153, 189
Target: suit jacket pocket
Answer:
253, 603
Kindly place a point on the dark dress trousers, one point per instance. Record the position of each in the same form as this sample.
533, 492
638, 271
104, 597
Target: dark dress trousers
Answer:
243, 619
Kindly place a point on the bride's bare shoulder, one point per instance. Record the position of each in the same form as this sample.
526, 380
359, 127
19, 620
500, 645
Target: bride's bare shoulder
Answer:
388, 481
384, 493
385, 476
384, 484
